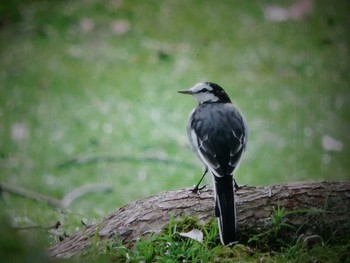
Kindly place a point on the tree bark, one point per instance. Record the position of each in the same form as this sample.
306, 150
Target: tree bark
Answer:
324, 203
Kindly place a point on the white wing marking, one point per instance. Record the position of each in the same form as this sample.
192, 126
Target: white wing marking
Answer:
198, 148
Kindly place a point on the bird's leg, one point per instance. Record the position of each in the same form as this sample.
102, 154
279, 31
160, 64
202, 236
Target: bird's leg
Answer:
236, 186
196, 189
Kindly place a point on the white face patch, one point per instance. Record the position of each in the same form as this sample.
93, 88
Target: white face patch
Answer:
200, 86
202, 91
205, 97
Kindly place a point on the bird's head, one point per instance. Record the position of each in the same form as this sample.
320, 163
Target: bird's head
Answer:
207, 92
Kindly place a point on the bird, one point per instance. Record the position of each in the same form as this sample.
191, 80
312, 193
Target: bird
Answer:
218, 135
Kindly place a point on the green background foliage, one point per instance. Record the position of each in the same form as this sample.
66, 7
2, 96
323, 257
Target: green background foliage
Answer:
98, 79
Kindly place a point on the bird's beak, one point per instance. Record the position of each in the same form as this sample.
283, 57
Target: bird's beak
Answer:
185, 91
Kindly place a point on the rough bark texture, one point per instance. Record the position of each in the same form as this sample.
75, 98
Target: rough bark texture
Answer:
254, 210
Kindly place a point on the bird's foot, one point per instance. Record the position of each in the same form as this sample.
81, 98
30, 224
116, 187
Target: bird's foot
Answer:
197, 189
236, 186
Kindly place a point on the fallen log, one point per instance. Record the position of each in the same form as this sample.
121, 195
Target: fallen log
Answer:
326, 203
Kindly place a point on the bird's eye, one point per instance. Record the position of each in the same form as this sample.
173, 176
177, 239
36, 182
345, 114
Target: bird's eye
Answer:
204, 90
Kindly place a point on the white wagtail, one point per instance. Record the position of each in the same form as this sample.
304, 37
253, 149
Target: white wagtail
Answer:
218, 136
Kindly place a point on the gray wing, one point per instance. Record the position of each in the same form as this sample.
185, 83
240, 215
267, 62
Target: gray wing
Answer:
218, 136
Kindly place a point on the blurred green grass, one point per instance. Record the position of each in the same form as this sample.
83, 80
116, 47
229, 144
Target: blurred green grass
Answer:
92, 78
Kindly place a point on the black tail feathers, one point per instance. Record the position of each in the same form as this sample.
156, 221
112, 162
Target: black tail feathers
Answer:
225, 209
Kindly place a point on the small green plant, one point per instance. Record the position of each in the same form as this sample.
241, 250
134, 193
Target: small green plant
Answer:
170, 246
278, 224
280, 231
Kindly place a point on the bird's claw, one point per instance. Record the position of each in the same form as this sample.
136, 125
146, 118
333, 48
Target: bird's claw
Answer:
197, 189
236, 186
